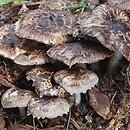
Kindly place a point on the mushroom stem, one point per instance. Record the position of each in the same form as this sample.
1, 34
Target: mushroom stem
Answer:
95, 67
80, 65
77, 98
34, 126
113, 63
22, 111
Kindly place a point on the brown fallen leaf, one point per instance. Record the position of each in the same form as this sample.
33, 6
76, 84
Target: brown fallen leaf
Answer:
5, 82
100, 103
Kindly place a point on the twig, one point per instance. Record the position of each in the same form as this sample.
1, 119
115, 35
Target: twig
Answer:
34, 127
75, 124
113, 97
68, 120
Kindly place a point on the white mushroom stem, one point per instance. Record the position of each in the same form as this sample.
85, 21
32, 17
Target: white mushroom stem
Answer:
113, 63
77, 98
22, 111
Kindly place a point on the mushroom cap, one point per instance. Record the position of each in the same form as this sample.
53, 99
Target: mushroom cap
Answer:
54, 91
110, 26
49, 27
76, 81
15, 97
120, 4
48, 107
35, 56
9, 42
41, 78
78, 52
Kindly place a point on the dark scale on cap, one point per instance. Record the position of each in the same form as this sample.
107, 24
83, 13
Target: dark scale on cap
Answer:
59, 22
43, 22
10, 39
117, 26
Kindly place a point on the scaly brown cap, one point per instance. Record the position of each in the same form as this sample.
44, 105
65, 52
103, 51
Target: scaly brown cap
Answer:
41, 78
48, 107
9, 42
49, 27
110, 26
76, 81
34, 56
78, 52
15, 97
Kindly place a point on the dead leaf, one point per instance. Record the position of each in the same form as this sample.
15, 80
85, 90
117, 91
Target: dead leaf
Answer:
5, 82
100, 103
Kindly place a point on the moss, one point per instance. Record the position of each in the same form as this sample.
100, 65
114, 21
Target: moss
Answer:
2, 2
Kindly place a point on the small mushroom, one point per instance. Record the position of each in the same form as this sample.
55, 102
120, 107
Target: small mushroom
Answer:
15, 97
9, 42
76, 81
34, 56
120, 4
78, 52
48, 107
49, 27
41, 78
110, 26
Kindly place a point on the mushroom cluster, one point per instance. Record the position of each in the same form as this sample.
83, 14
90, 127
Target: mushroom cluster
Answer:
57, 61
